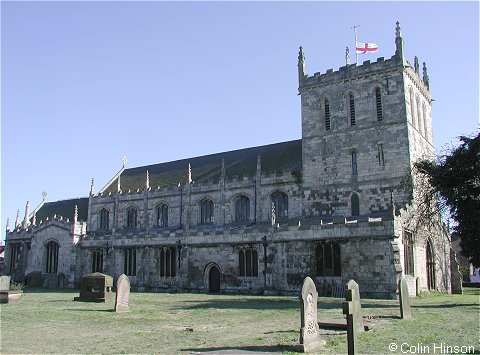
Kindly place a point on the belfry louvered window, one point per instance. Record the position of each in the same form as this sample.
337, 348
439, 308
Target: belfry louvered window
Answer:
327, 115
351, 101
378, 104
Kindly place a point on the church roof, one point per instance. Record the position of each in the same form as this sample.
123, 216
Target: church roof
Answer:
63, 208
283, 157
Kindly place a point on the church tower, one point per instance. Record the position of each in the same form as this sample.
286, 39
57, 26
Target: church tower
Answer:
363, 126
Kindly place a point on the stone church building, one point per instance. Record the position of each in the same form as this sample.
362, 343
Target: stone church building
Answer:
330, 205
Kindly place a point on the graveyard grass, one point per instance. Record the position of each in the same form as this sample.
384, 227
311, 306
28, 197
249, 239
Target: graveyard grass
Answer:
166, 323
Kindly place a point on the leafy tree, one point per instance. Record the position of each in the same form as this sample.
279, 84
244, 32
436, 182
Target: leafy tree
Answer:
454, 181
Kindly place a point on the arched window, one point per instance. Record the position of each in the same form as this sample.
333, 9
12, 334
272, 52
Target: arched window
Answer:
328, 259
419, 120
131, 217
327, 115
104, 218
351, 103
280, 205
412, 108
355, 204
162, 215
354, 163
130, 262
378, 104
430, 266
206, 211
248, 262
51, 257
242, 209
97, 260
408, 253
167, 262
424, 109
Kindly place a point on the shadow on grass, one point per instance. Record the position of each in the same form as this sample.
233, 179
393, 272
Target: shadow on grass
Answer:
451, 305
260, 348
28, 289
259, 304
88, 310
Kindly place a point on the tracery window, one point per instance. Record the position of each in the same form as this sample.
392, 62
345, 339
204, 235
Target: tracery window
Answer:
14, 253
104, 219
328, 259
242, 209
51, 257
354, 163
130, 262
408, 253
97, 261
355, 204
419, 120
206, 211
167, 262
162, 215
412, 108
131, 217
280, 204
248, 262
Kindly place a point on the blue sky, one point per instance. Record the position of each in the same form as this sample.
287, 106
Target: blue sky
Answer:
85, 83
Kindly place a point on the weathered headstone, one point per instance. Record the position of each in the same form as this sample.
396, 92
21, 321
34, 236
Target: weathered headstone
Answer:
310, 340
353, 310
417, 286
123, 294
405, 311
4, 283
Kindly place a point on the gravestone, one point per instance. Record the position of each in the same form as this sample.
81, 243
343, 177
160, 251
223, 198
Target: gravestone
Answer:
353, 310
417, 286
310, 340
404, 299
123, 294
95, 287
4, 283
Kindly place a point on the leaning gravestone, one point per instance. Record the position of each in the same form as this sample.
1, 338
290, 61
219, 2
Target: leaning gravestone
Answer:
4, 283
310, 340
123, 294
404, 299
353, 310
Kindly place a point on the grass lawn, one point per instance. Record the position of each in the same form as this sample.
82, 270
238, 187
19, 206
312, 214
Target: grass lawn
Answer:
166, 323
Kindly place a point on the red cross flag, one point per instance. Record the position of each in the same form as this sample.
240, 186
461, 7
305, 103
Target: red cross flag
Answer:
366, 47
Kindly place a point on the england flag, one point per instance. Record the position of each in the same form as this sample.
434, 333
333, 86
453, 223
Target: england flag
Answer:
363, 48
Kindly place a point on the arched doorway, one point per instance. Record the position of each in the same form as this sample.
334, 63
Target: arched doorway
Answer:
430, 266
214, 279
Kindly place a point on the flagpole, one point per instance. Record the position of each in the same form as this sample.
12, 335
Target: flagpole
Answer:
356, 53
